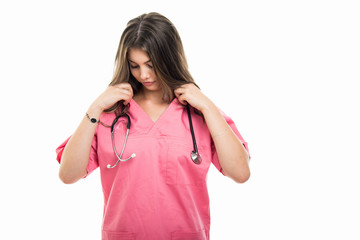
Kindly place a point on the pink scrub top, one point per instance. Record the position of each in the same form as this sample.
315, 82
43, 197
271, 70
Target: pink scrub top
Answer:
161, 193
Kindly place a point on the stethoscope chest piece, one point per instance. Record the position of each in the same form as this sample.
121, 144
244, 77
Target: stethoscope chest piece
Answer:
195, 157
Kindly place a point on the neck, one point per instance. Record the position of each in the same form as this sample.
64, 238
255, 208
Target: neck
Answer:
150, 96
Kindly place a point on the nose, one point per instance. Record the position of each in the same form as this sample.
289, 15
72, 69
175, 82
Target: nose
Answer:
144, 74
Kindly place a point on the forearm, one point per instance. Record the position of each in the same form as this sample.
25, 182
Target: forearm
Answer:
76, 153
232, 155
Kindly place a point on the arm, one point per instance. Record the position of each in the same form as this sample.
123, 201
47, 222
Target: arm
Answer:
75, 157
232, 155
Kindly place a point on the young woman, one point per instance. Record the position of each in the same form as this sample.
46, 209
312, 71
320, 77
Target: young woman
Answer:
154, 178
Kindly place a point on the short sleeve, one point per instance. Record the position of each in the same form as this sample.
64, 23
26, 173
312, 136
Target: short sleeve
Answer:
215, 158
93, 160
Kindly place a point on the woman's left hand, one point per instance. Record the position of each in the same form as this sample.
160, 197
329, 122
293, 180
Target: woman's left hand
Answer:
190, 94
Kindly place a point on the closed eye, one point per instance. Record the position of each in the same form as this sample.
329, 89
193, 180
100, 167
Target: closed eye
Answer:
133, 67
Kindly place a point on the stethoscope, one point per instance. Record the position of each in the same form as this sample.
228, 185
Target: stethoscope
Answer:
194, 155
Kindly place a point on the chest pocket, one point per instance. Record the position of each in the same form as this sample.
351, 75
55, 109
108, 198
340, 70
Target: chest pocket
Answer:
180, 169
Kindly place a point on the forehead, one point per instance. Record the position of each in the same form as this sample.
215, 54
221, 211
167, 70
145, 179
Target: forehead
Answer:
138, 55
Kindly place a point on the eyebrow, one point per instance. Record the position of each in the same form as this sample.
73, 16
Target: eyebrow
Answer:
136, 63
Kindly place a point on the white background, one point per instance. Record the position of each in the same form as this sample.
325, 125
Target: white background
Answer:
287, 72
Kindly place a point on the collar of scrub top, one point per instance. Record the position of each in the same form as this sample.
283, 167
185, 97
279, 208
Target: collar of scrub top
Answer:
194, 155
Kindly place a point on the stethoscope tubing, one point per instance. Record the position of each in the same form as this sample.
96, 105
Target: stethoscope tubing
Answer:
126, 138
191, 129
194, 155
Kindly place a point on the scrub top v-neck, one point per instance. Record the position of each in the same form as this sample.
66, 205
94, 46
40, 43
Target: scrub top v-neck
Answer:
143, 119
161, 193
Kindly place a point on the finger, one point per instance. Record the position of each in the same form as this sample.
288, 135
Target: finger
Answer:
179, 91
124, 86
182, 99
126, 97
124, 91
126, 102
177, 94
128, 86
186, 86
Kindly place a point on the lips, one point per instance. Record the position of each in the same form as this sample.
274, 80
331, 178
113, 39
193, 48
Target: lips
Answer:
148, 83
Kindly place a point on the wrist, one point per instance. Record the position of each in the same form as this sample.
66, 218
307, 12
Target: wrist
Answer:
94, 112
208, 107
92, 119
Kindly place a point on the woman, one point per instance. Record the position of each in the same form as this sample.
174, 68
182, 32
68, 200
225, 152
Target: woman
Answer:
160, 192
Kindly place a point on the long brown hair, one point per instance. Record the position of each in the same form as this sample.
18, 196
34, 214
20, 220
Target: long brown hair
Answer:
158, 37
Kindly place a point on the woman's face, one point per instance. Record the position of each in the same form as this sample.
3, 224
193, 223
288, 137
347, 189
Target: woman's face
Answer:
141, 68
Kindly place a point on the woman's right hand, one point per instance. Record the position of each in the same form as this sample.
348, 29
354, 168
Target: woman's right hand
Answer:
113, 94
75, 158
